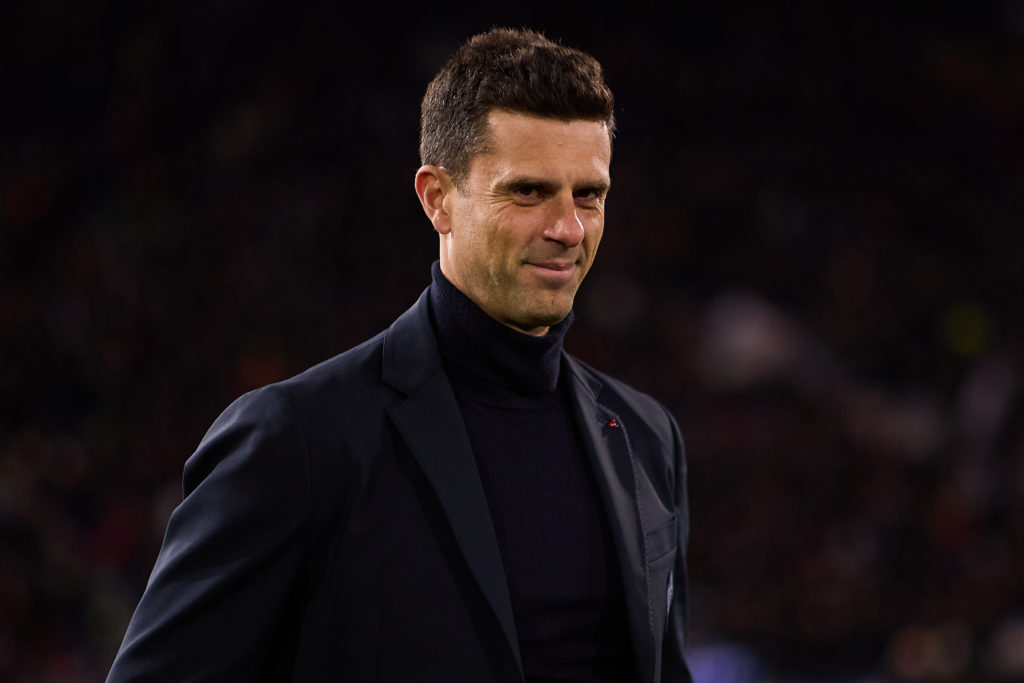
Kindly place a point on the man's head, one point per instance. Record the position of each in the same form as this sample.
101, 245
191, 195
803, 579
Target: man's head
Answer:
515, 142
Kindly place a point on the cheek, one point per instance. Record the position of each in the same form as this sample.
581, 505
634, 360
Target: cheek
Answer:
511, 234
593, 232
480, 237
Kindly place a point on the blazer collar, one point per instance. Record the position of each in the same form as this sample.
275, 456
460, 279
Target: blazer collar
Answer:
606, 440
430, 422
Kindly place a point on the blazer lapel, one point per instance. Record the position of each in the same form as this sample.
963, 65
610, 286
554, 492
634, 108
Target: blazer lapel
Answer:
607, 443
430, 422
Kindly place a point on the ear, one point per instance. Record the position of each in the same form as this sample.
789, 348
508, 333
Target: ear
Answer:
433, 185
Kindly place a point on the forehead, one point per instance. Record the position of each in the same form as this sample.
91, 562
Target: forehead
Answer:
577, 150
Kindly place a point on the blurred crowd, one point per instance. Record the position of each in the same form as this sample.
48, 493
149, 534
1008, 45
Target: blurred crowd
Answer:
813, 255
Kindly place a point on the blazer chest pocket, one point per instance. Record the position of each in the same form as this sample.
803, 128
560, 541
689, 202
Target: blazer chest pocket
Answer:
661, 542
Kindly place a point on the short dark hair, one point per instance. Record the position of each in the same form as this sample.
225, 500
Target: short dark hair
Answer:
516, 70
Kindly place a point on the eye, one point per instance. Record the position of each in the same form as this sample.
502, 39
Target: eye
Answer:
530, 192
588, 196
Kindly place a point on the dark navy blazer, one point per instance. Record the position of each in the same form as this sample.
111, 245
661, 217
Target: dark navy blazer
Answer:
334, 528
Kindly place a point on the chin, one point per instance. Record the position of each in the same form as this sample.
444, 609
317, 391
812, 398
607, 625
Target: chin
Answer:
545, 315
548, 318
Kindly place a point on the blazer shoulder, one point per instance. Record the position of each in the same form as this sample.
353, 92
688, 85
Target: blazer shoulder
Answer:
367, 375
360, 363
349, 377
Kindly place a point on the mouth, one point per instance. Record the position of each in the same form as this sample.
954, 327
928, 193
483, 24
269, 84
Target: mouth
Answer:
556, 270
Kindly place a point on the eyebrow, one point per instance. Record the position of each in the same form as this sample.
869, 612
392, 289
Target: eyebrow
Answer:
600, 186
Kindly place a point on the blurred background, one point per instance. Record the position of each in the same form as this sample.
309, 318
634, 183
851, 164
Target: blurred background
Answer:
814, 256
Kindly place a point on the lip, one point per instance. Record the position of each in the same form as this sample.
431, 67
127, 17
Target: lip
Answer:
554, 270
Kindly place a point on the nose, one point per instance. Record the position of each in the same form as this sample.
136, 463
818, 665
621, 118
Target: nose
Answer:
564, 224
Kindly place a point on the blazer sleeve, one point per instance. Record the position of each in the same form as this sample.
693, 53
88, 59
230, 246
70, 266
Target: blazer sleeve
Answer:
231, 554
674, 668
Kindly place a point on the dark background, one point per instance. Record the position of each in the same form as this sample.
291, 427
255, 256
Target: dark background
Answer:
813, 256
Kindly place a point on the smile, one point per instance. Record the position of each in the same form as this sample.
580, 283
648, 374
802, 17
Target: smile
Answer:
556, 271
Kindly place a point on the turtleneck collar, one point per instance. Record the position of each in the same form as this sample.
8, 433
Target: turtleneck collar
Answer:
475, 342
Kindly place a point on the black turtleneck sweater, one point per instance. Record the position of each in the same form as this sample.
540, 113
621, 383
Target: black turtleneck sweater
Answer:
553, 533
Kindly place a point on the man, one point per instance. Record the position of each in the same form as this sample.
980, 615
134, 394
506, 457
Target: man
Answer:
456, 499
